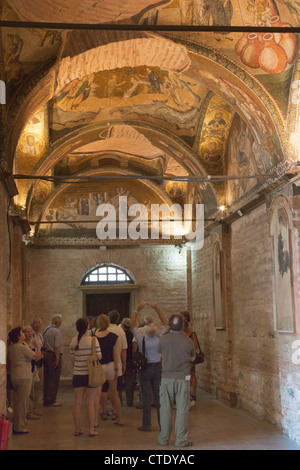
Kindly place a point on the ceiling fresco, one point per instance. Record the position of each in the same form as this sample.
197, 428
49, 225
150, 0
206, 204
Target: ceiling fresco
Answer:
141, 93
155, 105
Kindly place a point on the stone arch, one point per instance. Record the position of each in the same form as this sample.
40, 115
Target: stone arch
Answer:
107, 264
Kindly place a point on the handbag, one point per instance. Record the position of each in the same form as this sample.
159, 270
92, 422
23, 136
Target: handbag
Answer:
199, 357
139, 359
97, 375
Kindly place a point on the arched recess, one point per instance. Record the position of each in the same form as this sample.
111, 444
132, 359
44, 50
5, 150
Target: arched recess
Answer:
172, 57
112, 288
170, 145
212, 69
218, 73
44, 216
241, 90
96, 270
284, 260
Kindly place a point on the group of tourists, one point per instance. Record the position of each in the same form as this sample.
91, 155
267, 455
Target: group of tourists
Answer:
166, 381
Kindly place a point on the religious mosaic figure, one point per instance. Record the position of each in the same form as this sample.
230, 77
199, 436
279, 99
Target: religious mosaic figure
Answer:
282, 281
217, 286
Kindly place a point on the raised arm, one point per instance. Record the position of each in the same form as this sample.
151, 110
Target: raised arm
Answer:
135, 314
159, 313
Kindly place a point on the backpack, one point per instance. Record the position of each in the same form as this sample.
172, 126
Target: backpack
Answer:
139, 359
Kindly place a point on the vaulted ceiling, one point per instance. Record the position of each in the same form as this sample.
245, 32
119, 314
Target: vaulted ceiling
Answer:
212, 110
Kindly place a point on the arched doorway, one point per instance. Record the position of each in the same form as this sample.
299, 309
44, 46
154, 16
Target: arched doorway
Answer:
107, 287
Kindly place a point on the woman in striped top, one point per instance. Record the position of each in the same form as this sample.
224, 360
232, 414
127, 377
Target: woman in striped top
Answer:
81, 349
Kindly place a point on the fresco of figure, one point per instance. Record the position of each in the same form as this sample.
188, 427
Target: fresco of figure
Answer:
13, 68
31, 148
215, 13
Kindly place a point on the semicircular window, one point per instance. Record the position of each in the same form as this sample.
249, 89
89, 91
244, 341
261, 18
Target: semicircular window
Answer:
106, 274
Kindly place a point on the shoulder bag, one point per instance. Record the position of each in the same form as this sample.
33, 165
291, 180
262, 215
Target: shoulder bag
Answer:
139, 359
97, 375
199, 357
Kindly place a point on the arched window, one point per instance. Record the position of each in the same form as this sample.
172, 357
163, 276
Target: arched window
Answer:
107, 274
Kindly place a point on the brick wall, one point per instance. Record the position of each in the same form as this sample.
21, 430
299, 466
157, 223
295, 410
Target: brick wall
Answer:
248, 364
54, 275
11, 283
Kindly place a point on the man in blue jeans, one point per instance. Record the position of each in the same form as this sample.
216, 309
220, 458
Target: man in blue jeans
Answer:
177, 351
150, 377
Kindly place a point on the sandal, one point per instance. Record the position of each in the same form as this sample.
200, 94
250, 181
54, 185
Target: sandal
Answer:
78, 433
93, 434
118, 424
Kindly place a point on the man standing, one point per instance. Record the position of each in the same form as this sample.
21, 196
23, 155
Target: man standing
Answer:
36, 325
129, 375
177, 351
53, 350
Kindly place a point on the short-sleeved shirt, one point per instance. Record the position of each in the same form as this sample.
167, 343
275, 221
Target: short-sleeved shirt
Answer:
107, 347
19, 358
151, 343
82, 353
38, 337
52, 339
176, 350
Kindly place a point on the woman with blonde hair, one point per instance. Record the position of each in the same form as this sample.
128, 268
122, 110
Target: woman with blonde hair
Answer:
109, 361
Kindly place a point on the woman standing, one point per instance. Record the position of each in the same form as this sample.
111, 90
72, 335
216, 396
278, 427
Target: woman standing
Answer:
81, 349
28, 332
19, 357
109, 361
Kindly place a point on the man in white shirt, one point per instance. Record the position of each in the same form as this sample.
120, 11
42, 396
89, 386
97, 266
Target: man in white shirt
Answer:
36, 325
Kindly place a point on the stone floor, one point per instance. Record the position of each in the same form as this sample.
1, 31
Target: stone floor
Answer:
212, 426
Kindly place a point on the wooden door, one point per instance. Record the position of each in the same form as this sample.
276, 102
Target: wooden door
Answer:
96, 304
